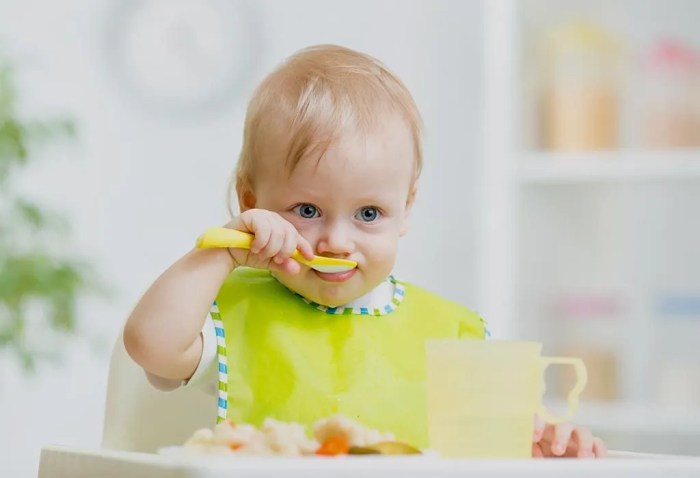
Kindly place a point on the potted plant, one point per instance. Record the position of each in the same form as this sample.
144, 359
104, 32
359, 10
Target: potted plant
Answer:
39, 282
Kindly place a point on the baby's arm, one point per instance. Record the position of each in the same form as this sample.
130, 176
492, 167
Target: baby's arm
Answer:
163, 333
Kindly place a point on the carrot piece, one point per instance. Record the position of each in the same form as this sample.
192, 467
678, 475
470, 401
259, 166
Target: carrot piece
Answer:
338, 445
234, 446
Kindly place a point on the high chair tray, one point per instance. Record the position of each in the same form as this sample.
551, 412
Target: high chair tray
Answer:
62, 462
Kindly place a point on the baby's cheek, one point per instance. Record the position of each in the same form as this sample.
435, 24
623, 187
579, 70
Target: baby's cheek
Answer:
382, 255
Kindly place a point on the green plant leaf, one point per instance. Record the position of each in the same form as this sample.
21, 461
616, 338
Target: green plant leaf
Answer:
37, 217
49, 130
13, 150
32, 277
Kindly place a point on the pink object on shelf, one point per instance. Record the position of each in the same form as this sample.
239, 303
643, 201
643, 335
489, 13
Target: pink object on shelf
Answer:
670, 116
671, 53
587, 306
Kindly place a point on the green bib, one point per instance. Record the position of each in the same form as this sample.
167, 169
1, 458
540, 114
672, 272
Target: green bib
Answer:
283, 357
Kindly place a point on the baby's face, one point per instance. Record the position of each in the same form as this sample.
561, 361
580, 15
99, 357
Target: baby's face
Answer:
353, 204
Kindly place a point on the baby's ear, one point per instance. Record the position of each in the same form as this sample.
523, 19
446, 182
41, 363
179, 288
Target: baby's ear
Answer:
246, 197
409, 205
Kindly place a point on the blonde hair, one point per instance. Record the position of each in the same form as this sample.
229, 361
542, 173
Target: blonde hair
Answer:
314, 95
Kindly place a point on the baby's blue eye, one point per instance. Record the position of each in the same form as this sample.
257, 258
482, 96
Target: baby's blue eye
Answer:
367, 214
307, 211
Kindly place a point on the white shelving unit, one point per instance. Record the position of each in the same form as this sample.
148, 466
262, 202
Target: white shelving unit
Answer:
624, 222
624, 417
619, 166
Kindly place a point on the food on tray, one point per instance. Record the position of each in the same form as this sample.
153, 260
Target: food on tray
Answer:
337, 435
385, 448
273, 437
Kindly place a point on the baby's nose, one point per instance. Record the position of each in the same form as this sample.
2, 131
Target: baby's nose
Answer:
336, 241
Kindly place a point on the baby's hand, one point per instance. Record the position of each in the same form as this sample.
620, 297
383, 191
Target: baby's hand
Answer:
565, 440
274, 243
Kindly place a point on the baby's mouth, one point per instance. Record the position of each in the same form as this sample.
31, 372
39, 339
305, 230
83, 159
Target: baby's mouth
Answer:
336, 276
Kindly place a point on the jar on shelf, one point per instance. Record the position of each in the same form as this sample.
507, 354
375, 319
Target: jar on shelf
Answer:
579, 88
587, 325
677, 357
670, 96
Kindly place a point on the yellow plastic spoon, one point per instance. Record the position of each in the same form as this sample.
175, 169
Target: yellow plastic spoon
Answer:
225, 237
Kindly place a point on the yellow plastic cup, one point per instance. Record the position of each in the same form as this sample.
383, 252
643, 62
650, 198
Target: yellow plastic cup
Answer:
483, 396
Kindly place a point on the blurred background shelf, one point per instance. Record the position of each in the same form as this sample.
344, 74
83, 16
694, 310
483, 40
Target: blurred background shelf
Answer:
590, 177
631, 417
606, 166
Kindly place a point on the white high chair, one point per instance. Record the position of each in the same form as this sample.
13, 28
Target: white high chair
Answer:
140, 418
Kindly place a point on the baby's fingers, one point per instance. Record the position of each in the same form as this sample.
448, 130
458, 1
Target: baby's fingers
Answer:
278, 240
562, 435
274, 244
565, 439
537, 451
304, 247
599, 448
538, 430
289, 244
584, 439
262, 229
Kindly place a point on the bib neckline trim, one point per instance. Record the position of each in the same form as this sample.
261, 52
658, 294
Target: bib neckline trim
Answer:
397, 298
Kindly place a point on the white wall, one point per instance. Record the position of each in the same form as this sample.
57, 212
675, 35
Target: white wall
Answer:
140, 186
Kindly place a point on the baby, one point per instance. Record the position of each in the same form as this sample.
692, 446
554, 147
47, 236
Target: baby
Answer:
329, 165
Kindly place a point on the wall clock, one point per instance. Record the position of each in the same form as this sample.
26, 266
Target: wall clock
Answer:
183, 56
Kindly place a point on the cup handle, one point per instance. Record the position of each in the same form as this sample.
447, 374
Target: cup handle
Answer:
572, 398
